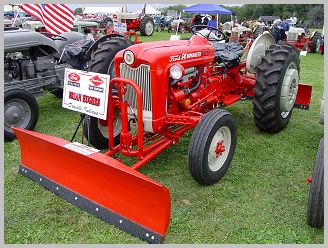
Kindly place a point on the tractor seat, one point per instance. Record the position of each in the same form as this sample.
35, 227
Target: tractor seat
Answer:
228, 53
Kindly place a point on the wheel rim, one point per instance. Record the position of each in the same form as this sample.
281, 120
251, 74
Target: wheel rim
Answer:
17, 113
219, 148
289, 90
318, 45
117, 125
149, 28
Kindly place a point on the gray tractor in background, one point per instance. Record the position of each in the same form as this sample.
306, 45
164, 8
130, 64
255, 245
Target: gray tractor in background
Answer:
32, 65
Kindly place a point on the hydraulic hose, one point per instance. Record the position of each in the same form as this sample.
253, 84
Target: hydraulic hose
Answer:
194, 88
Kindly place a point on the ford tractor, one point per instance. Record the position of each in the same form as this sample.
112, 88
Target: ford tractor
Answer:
159, 91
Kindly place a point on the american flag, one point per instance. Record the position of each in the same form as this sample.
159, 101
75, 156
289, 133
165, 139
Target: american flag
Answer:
56, 18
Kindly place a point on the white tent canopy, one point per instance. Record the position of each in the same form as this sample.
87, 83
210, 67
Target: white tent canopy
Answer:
9, 7
95, 10
150, 10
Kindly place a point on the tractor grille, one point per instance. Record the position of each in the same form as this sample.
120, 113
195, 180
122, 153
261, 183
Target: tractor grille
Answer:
292, 36
141, 75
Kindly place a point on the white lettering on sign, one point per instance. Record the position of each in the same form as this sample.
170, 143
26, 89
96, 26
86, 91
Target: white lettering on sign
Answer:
80, 148
86, 92
184, 56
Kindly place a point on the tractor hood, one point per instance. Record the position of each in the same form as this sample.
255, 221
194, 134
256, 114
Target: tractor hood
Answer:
22, 39
160, 55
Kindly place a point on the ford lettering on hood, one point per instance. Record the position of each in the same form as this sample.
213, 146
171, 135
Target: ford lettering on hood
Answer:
184, 56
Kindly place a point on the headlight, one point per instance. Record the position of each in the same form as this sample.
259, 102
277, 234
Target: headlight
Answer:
176, 71
128, 57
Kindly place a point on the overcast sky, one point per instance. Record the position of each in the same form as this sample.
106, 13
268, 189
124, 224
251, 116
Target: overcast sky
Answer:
131, 7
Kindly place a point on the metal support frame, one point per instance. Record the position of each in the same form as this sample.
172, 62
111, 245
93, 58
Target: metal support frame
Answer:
162, 141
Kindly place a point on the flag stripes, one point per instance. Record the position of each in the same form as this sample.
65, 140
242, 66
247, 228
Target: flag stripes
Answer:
57, 18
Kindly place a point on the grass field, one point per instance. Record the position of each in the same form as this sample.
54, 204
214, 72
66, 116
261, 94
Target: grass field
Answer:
261, 199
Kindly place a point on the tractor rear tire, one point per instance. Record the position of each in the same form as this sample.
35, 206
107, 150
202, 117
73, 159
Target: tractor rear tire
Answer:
273, 101
316, 194
102, 61
20, 110
212, 146
315, 42
147, 26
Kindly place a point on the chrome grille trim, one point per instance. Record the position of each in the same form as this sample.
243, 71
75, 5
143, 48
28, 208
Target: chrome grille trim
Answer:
141, 75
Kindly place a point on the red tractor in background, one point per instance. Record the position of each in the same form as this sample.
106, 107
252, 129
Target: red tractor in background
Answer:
134, 22
304, 41
166, 88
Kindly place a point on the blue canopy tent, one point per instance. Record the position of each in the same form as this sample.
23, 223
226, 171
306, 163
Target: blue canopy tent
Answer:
208, 9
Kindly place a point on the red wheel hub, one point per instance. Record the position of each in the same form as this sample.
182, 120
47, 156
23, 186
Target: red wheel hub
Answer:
220, 148
309, 179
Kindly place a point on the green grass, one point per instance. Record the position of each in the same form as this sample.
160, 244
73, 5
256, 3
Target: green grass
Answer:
261, 199
316, 29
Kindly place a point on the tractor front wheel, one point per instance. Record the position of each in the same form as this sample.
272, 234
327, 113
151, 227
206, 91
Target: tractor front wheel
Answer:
96, 131
147, 26
276, 88
102, 61
316, 199
212, 146
159, 28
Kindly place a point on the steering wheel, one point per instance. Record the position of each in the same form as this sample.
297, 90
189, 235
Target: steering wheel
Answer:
54, 36
217, 35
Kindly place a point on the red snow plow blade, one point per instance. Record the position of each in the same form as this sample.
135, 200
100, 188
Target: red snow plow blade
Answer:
98, 184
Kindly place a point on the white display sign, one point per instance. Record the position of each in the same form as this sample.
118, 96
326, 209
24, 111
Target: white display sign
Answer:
303, 53
80, 148
174, 37
86, 92
120, 27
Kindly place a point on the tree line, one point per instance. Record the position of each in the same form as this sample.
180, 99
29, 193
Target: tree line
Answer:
312, 13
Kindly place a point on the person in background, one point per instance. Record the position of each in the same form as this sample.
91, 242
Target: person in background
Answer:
294, 18
88, 35
205, 20
197, 20
212, 22
278, 31
233, 21
285, 25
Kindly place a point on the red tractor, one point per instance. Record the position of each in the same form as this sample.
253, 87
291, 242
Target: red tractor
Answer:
134, 22
303, 40
166, 88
